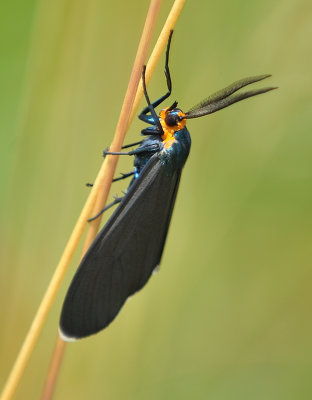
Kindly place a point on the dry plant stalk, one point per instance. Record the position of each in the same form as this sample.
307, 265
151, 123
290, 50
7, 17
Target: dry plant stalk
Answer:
95, 202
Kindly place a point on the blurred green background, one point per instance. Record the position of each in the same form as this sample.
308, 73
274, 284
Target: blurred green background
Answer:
229, 314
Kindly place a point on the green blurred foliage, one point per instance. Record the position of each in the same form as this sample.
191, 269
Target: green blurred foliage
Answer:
229, 314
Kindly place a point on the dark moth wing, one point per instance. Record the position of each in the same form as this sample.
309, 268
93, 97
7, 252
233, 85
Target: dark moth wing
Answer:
124, 254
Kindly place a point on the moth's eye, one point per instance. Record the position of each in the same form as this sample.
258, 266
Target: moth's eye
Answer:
172, 119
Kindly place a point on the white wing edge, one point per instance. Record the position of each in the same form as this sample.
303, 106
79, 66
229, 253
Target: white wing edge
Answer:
66, 338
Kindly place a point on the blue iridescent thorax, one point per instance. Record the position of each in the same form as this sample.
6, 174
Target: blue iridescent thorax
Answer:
176, 155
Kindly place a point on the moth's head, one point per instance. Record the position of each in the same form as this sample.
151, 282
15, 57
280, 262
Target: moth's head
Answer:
172, 118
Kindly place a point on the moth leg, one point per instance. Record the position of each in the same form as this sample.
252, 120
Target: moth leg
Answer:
151, 131
116, 201
132, 144
106, 151
149, 107
123, 176
139, 150
150, 119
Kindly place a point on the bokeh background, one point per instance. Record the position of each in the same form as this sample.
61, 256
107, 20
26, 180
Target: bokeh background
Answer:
229, 314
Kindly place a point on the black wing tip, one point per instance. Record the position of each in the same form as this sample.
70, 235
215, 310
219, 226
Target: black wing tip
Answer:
66, 337
73, 337
74, 334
